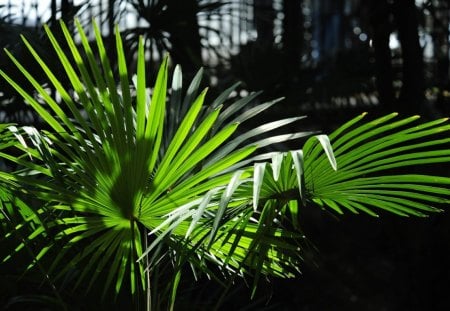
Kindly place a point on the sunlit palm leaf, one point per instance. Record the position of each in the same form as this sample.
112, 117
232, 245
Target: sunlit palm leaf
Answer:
379, 167
358, 167
118, 162
108, 177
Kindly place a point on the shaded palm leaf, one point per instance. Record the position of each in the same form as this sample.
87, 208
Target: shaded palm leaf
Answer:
12, 208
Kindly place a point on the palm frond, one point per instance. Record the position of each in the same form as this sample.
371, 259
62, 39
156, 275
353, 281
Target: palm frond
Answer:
117, 162
360, 167
379, 167
126, 179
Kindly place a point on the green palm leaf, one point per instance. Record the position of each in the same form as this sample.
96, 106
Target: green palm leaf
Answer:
117, 163
131, 182
376, 165
358, 167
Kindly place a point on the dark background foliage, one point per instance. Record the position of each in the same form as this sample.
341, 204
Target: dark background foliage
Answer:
331, 59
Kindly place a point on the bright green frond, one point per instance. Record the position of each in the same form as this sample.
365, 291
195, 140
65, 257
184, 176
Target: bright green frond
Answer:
136, 176
378, 165
119, 161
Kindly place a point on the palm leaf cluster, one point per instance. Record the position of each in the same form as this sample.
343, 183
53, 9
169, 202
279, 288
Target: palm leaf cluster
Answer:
129, 180
385, 145
111, 168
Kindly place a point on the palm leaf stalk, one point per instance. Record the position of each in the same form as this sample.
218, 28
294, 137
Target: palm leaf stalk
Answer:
134, 184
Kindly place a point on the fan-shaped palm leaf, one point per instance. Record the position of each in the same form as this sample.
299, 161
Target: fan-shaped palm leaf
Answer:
379, 167
255, 225
111, 167
118, 162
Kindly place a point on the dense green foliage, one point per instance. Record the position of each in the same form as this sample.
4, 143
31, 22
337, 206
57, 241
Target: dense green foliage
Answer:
128, 183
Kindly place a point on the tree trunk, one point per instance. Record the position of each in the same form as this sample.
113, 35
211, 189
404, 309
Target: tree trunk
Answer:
292, 35
441, 20
185, 37
111, 19
66, 6
264, 17
53, 12
412, 92
405, 17
382, 28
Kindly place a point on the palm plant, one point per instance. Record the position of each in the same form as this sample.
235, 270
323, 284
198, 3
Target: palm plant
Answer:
132, 184
175, 27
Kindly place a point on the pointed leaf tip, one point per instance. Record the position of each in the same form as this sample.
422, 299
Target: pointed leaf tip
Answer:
297, 157
257, 182
277, 159
326, 145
